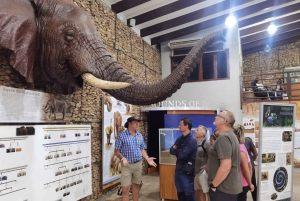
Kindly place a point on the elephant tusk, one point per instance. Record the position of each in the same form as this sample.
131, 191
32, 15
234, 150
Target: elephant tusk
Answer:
96, 82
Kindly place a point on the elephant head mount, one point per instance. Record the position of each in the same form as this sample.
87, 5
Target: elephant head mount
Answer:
54, 42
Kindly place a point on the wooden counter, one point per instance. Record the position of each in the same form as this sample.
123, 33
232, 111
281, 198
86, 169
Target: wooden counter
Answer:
167, 182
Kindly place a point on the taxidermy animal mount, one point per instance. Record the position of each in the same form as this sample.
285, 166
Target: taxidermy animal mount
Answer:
54, 42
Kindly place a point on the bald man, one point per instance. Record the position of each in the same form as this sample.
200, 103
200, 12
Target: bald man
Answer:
224, 176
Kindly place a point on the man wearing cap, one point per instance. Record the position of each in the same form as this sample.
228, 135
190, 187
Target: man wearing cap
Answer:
130, 148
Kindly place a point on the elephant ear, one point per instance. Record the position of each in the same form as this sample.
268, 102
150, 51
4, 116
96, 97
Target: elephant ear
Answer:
18, 33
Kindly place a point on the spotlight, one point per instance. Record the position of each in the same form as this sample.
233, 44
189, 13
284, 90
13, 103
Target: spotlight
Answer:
230, 21
272, 29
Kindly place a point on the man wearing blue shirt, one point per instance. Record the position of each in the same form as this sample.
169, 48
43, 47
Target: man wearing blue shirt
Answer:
185, 149
130, 148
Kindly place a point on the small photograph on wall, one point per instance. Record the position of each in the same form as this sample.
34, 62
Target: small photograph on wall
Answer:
268, 158
287, 136
274, 196
278, 116
288, 158
264, 176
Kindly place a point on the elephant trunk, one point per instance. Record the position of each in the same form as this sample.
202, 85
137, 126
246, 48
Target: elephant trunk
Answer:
146, 93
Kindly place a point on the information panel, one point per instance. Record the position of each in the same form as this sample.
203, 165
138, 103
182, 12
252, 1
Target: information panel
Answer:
115, 114
45, 162
21, 105
275, 177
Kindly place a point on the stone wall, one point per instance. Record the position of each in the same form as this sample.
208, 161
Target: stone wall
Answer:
272, 62
137, 57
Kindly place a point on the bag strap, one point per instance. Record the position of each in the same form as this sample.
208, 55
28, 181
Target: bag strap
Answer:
202, 145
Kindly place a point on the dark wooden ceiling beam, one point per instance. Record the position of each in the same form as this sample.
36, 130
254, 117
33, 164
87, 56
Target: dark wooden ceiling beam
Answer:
126, 5
164, 10
264, 26
265, 34
217, 21
273, 45
278, 12
210, 10
271, 39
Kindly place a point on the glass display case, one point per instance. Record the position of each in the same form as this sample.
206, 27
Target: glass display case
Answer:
167, 137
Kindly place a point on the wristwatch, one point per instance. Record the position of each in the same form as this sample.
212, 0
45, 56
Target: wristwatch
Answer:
212, 186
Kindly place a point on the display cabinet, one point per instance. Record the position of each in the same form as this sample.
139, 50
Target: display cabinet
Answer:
167, 162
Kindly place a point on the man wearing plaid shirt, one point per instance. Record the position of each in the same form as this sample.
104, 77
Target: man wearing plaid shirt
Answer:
130, 148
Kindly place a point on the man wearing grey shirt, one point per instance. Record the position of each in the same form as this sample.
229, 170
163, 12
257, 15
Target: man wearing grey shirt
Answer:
200, 162
224, 175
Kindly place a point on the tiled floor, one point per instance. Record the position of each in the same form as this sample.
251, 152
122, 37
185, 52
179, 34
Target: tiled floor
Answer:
150, 189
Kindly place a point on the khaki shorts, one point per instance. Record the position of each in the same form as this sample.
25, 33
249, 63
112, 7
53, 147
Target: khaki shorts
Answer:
197, 185
132, 173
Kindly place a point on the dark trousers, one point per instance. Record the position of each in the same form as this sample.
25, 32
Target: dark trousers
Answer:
243, 195
253, 181
185, 187
220, 196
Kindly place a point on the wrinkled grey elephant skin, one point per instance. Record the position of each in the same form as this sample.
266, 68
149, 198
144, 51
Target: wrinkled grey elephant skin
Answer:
54, 42
53, 107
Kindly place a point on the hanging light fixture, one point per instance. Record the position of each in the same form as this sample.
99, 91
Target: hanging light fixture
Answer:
230, 20
272, 29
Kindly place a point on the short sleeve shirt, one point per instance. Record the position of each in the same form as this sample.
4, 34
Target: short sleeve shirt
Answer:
226, 147
130, 146
201, 158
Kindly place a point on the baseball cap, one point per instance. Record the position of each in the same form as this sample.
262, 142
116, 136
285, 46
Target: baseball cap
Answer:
130, 119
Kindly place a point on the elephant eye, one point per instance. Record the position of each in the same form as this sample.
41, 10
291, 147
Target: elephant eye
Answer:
69, 36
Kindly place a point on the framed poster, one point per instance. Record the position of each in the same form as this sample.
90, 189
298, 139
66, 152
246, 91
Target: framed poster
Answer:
276, 145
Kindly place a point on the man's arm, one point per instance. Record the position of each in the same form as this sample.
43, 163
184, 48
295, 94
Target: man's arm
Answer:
150, 160
120, 156
185, 151
175, 148
223, 171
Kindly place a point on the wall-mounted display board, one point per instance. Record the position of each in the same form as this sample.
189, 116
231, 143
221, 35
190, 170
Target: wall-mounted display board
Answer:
251, 115
115, 114
20, 105
45, 162
276, 145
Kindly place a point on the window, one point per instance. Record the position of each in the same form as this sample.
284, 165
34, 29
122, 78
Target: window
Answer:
212, 65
